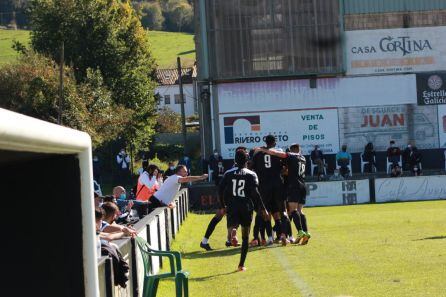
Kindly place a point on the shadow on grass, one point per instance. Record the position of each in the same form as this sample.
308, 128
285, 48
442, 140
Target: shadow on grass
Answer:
222, 252
431, 238
203, 278
186, 52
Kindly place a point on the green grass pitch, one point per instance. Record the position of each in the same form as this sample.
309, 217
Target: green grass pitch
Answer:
165, 46
396, 249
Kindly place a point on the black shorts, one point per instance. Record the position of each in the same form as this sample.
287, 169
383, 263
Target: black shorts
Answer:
297, 194
272, 196
237, 215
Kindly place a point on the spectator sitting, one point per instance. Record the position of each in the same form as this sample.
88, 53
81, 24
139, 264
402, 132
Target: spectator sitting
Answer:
343, 159
99, 215
111, 213
216, 165
120, 198
369, 157
147, 183
406, 155
393, 153
415, 161
170, 171
317, 157
336, 176
396, 171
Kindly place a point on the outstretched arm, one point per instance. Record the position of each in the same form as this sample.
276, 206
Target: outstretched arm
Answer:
272, 152
189, 179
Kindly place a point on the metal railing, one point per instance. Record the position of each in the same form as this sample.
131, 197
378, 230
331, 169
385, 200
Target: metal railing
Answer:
159, 229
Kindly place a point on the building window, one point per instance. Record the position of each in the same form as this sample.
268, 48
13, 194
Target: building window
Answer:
177, 99
166, 99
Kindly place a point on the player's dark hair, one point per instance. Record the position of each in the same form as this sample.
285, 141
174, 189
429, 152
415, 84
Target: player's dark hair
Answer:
241, 157
270, 140
295, 147
241, 148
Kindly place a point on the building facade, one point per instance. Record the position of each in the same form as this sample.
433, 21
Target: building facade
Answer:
168, 90
326, 72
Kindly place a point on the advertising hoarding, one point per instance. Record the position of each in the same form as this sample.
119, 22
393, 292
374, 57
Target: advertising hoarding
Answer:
306, 127
410, 188
277, 95
431, 88
379, 125
347, 192
387, 51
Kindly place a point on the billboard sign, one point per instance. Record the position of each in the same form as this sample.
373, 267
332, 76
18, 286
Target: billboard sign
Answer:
306, 127
395, 50
278, 95
410, 188
379, 125
431, 88
347, 192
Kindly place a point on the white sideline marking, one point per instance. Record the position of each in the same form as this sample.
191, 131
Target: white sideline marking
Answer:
297, 281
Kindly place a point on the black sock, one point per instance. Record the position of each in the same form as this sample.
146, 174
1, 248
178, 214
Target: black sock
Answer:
211, 227
256, 229
303, 219
296, 220
262, 228
285, 224
278, 227
244, 252
268, 228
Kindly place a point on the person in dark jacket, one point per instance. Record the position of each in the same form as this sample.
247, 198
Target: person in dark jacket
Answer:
317, 157
216, 165
369, 157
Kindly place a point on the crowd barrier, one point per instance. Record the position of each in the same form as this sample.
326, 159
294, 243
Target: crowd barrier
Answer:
159, 229
348, 192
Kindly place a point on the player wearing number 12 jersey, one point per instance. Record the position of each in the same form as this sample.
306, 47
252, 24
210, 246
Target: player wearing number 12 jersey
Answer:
239, 187
296, 190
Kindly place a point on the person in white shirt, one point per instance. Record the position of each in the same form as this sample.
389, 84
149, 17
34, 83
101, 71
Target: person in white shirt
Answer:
167, 192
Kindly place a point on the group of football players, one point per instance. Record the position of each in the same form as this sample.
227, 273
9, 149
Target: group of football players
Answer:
272, 183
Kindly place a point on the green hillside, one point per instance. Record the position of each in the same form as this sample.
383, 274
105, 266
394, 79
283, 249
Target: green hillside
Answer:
166, 46
7, 54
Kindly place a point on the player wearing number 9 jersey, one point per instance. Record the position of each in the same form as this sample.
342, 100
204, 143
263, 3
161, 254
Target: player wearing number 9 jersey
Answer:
239, 187
269, 168
296, 190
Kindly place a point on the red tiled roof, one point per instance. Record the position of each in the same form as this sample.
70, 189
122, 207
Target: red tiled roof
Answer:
170, 76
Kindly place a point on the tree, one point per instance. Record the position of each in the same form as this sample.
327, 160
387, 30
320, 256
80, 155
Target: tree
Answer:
168, 121
105, 35
151, 15
31, 86
179, 15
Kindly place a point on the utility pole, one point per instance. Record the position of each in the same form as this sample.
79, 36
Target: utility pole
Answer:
183, 114
61, 75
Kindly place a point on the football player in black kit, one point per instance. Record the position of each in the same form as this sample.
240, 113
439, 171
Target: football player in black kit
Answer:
239, 187
216, 219
296, 190
269, 168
